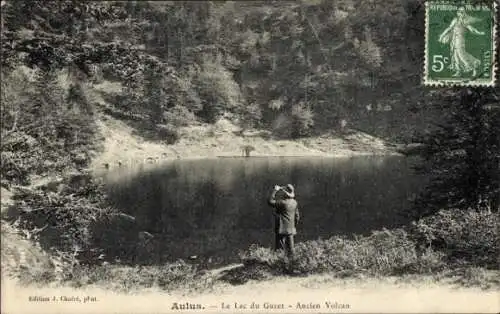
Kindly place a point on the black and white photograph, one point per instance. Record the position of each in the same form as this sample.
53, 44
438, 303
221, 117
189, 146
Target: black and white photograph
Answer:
307, 156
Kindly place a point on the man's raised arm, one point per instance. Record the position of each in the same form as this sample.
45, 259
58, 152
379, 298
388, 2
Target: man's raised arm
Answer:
272, 198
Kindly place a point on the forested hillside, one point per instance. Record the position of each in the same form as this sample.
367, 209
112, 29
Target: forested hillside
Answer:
296, 68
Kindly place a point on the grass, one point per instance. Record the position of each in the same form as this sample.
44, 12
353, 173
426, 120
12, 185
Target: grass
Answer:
172, 276
475, 277
122, 278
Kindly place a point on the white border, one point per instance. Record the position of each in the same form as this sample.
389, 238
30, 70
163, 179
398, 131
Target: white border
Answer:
448, 83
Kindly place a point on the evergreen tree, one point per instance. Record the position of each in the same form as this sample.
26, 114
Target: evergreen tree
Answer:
461, 157
156, 100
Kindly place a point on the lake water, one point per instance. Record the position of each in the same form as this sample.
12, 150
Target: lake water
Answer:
217, 207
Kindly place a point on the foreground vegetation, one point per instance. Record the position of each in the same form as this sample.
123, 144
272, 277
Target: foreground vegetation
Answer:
445, 240
450, 244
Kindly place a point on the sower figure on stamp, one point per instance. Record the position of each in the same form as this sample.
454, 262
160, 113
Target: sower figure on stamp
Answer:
454, 35
286, 218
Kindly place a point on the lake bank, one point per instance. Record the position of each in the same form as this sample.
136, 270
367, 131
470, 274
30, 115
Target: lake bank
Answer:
123, 148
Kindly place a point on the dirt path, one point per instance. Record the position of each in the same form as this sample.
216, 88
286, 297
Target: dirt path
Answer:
284, 294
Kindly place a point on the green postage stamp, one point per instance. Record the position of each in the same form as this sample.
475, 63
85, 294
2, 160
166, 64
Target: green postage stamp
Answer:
460, 43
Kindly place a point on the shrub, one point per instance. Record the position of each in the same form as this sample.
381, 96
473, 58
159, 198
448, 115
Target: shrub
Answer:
125, 278
251, 115
382, 253
67, 270
476, 277
61, 216
217, 90
261, 255
168, 134
463, 235
302, 120
179, 116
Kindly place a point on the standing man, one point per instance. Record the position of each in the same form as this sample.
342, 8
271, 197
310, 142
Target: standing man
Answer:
286, 218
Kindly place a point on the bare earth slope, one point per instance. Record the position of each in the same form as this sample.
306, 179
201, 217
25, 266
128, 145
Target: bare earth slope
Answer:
122, 146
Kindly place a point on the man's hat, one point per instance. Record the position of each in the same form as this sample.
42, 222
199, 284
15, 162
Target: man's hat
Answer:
289, 191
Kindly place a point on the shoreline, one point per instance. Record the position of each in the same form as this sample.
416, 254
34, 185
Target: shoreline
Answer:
325, 156
138, 166
190, 157
122, 148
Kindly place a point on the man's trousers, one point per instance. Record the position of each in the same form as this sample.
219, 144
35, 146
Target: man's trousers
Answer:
285, 242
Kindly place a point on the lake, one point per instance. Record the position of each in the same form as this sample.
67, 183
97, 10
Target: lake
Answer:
214, 208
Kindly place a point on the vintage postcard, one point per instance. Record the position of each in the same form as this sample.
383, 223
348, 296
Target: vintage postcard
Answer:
308, 156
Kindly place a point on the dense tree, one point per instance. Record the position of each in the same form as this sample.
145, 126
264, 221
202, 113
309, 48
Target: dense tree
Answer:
462, 155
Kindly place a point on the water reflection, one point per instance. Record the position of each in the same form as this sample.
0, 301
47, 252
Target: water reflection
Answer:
216, 207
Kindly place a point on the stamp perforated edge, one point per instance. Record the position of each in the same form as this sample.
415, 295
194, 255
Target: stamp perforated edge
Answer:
462, 83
